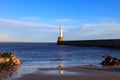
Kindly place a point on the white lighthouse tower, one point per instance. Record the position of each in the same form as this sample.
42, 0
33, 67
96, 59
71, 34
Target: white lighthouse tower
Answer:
61, 31
61, 38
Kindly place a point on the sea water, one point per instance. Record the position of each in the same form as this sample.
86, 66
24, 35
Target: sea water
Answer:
50, 55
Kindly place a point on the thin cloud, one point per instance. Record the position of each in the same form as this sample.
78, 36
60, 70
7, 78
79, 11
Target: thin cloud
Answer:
64, 20
32, 18
4, 36
9, 22
103, 28
16, 30
96, 31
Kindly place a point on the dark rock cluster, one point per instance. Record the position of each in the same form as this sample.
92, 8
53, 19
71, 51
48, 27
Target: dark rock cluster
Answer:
110, 61
8, 60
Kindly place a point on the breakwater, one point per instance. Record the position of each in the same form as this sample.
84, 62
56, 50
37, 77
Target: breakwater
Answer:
113, 43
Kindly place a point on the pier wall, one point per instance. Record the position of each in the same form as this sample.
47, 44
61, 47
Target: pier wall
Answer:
93, 43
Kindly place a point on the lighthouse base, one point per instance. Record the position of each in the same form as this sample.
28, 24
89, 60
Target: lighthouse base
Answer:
60, 39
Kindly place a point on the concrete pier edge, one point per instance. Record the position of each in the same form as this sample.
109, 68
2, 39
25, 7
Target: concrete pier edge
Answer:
113, 43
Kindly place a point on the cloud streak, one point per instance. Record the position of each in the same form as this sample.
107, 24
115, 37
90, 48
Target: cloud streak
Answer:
16, 30
65, 20
9, 22
32, 18
96, 31
4, 36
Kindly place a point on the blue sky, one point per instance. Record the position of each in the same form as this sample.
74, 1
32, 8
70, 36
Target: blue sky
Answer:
39, 20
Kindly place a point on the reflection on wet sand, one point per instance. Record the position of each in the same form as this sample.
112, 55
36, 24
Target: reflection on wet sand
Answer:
61, 67
61, 72
4, 74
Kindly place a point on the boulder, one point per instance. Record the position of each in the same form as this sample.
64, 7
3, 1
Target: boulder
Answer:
8, 60
110, 61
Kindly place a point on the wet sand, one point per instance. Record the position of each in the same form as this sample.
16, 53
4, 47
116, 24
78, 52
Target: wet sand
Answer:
74, 73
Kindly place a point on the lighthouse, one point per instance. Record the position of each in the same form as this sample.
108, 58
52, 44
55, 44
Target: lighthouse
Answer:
60, 38
61, 31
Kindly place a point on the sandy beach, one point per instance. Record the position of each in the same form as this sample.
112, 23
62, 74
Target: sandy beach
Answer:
74, 73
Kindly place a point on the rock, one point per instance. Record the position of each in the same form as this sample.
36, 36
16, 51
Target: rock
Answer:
8, 60
8, 73
110, 61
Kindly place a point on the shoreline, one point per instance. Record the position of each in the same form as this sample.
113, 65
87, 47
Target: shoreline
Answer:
74, 73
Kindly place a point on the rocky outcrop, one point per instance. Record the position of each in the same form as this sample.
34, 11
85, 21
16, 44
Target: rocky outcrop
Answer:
110, 61
8, 60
